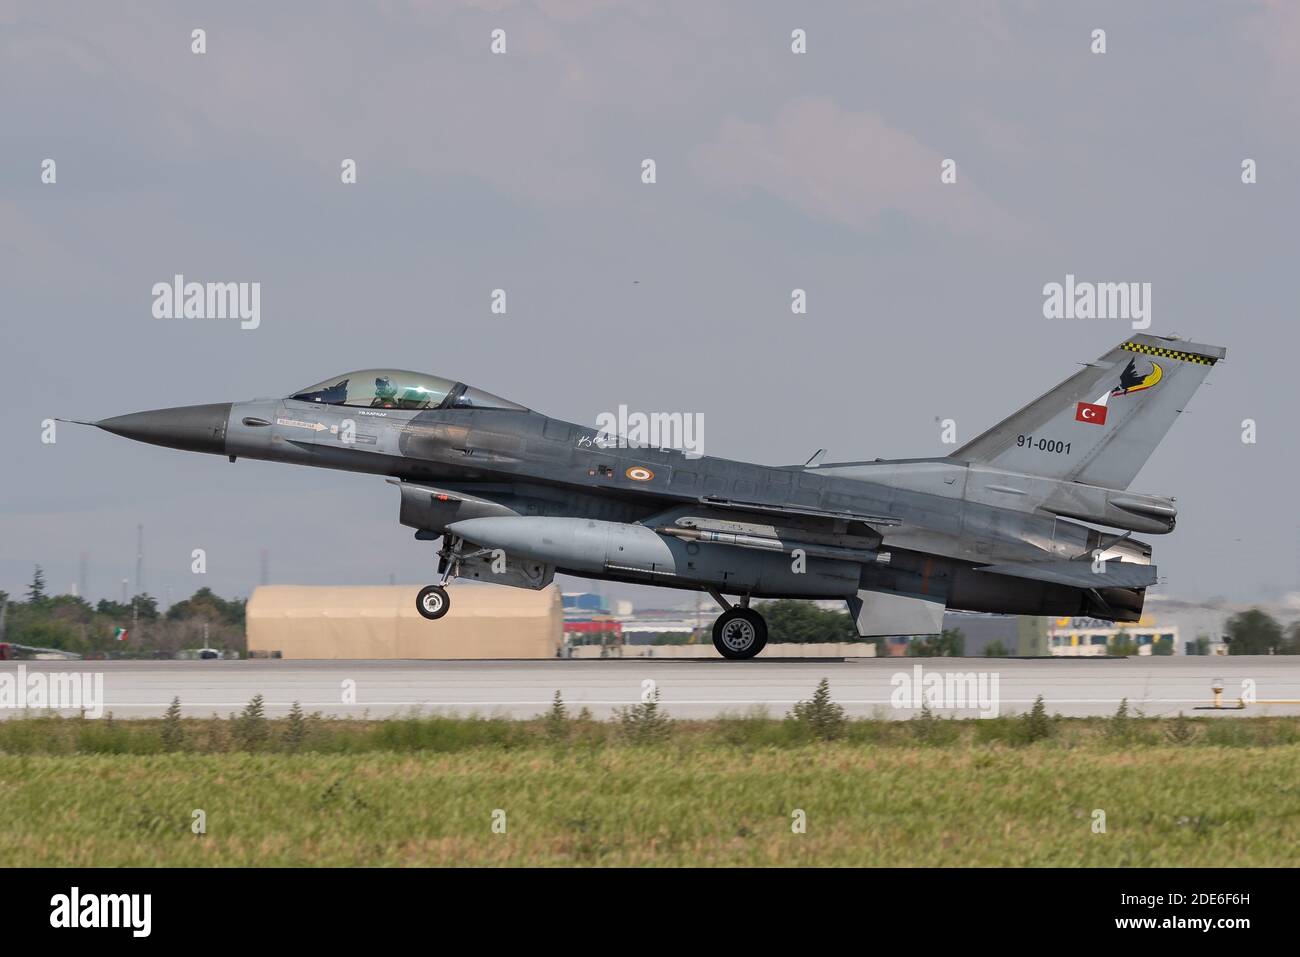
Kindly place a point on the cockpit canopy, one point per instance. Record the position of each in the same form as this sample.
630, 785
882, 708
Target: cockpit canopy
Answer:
397, 389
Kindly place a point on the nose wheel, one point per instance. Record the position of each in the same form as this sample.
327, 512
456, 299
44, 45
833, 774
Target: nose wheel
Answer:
433, 602
739, 633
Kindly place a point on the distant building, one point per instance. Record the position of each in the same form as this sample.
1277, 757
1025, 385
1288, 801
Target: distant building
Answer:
592, 631
587, 621
641, 629
578, 602
1074, 637
380, 621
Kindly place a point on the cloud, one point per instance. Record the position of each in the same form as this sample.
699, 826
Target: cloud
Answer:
847, 168
1274, 28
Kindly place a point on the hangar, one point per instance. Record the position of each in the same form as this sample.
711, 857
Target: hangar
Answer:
381, 621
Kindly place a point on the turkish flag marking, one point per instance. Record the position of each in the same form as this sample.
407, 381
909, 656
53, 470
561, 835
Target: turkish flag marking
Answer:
1092, 414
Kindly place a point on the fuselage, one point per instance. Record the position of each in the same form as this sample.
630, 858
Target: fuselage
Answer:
938, 519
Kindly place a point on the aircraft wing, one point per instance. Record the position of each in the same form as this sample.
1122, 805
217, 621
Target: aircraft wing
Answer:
1079, 574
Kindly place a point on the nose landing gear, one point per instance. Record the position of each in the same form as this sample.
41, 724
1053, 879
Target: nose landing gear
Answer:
740, 632
433, 602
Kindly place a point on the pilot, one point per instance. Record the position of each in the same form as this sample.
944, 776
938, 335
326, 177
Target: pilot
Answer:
385, 394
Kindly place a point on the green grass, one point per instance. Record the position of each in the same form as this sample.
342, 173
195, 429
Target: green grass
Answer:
422, 791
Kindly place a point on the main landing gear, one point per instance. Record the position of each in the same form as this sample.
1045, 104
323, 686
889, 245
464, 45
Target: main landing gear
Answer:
740, 632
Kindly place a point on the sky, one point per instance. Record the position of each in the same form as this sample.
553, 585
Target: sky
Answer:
523, 171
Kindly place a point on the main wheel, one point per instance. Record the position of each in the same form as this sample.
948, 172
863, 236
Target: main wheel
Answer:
739, 633
433, 602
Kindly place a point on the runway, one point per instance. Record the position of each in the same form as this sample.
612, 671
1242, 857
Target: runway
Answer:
688, 688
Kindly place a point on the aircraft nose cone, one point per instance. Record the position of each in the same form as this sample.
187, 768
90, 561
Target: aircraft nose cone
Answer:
195, 428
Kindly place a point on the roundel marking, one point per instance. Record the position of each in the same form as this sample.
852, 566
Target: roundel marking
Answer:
639, 473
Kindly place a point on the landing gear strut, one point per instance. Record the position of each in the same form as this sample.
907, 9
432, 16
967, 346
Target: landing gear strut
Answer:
740, 632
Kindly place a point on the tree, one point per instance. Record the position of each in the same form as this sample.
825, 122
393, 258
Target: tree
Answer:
295, 731
43, 632
173, 732
113, 609
1253, 632
671, 638
824, 718
1035, 725
1119, 727
556, 722
645, 722
950, 643
250, 729
68, 622
995, 649
206, 605
36, 591
1122, 645
145, 607
801, 621
1289, 647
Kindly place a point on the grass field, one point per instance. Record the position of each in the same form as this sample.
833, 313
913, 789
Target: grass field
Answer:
645, 790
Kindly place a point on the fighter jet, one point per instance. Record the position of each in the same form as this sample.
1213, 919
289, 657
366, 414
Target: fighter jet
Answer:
1007, 523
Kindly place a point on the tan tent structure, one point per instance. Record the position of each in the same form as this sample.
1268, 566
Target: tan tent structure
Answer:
485, 621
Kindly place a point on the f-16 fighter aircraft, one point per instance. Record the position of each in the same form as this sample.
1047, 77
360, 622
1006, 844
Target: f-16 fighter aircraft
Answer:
1003, 524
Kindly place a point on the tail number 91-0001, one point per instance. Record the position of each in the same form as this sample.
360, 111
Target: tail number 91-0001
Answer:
1043, 445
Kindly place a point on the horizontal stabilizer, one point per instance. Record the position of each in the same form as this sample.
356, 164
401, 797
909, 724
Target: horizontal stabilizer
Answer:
1080, 574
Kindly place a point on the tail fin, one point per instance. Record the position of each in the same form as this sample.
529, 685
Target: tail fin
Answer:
1100, 425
